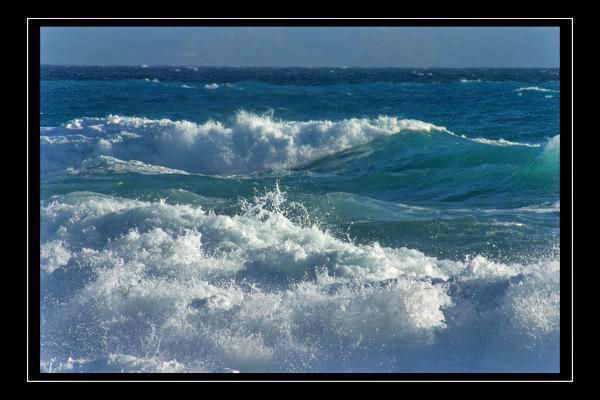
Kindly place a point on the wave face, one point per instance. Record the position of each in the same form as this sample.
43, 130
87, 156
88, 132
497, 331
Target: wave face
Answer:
297, 220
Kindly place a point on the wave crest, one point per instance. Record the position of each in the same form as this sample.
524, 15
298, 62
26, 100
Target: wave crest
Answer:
252, 143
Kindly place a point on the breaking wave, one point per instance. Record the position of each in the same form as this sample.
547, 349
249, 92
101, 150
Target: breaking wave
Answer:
154, 287
250, 143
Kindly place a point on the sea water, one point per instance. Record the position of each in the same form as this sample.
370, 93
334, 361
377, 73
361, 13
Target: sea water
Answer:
299, 219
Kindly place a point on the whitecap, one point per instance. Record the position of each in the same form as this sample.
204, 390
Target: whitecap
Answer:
535, 89
504, 142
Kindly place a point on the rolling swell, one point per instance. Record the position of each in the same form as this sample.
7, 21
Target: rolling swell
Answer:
400, 159
448, 168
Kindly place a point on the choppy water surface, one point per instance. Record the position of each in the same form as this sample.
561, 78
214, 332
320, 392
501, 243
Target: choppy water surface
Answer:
299, 220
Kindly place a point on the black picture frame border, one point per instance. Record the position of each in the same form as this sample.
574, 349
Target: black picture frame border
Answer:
32, 276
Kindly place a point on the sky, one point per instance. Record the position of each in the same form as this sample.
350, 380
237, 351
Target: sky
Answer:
303, 46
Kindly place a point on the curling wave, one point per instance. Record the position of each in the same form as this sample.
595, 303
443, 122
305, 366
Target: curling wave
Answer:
251, 143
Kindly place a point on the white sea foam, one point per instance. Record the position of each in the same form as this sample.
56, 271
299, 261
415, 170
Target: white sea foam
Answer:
54, 255
495, 142
553, 144
211, 86
158, 287
542, 208
504, 142
536, 89
251, 143
116, 363
105, 164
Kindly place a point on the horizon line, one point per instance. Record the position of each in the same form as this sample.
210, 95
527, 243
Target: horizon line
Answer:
292, 66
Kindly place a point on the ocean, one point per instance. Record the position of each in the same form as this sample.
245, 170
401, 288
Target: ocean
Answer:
199, 219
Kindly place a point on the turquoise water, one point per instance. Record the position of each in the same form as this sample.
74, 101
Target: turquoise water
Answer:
368, 220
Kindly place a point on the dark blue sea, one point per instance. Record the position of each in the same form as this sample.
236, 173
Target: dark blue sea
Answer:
200, 219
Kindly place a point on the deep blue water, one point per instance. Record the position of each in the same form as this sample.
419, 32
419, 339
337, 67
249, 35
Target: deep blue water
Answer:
327, 219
